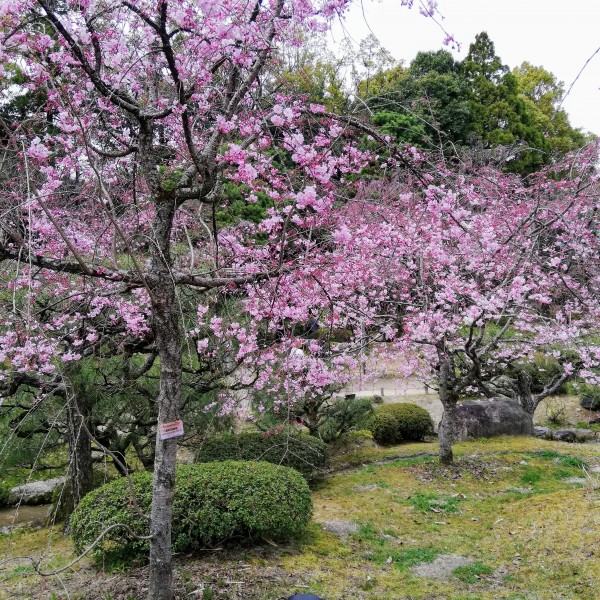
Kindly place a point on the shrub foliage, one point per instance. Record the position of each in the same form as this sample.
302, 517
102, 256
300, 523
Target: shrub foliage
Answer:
214, 502
393, 423
304, 453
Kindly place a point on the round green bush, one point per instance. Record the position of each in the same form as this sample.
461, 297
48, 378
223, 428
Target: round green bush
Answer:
384, 428
304, 453
213, 502
394, 423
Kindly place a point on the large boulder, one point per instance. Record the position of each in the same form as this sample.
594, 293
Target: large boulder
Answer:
490, 418
36, 492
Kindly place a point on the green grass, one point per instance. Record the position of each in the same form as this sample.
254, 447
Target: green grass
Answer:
432, 502
531, 475
564, 459
533, 539
405, 559
472, 573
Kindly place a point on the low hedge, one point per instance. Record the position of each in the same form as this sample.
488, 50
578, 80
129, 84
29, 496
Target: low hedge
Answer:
213, 502
393, 423
304, 453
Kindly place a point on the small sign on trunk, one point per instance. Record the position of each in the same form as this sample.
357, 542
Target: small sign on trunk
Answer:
171, 430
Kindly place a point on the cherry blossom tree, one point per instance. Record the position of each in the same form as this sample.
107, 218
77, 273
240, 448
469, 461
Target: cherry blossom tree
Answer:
470, 272
110, 234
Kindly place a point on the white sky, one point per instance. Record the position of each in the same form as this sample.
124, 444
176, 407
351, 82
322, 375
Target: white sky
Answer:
560, 36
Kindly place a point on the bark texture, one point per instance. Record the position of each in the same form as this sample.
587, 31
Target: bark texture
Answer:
166, 326
449, 399
80, 447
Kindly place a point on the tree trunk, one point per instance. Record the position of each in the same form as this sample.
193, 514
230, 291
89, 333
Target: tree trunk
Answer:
165, 323
446, 433
80, 447
524, 395
449, 400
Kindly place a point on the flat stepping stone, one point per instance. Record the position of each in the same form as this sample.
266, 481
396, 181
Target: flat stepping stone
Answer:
339, 527
575, 480
442, 567
371, 487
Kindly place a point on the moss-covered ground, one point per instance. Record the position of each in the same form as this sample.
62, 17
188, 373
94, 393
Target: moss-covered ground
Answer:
526, 512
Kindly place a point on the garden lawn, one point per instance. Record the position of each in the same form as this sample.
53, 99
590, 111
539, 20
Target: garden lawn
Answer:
520, 515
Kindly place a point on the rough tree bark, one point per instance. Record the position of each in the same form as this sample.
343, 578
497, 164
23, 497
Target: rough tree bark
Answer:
80, 447
447, 427
166, 327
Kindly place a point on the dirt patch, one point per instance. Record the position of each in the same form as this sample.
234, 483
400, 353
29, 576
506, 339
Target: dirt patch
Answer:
442, 567
218, 574
488, 469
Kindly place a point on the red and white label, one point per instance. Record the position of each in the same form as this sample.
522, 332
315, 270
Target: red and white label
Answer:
171, 430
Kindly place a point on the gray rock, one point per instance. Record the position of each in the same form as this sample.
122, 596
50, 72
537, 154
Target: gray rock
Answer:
576, 480
564, 435
371, 487
520, 490
36, 492
589, 402
584, 435
543, 432
490, 418
6, 529
339, 527
442, 567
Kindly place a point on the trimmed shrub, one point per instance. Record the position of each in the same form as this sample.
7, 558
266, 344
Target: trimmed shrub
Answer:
384, 428
213, 503
112, 504
394, 423
304, 453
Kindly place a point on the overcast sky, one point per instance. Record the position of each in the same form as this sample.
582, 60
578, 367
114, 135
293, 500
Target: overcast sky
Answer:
558, 35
